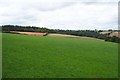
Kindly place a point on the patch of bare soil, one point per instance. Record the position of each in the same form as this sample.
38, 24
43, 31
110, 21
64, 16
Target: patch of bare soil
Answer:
117, 34
63, 35
71, 36
29, 33
107, 32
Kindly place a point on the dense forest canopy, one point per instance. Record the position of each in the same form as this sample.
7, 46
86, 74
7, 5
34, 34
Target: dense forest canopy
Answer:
88, 33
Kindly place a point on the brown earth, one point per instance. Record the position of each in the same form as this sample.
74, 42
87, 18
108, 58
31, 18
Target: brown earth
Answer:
117, 34
53, 35
63, 35
107, 32
71, 36
29, 33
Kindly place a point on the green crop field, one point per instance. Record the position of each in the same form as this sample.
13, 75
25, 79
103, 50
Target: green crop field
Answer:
26, 56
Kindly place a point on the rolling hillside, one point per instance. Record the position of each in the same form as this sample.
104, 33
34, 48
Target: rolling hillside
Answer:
50, 57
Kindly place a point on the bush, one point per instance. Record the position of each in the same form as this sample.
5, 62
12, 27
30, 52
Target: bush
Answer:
113, 39
45, 34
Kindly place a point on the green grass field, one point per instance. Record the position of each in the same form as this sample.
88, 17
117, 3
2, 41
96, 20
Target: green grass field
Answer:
26, 56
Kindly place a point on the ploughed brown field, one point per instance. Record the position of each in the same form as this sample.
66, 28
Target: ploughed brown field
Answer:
71, 36
29, 33
52, 34
107, 32
63, 35
117, 34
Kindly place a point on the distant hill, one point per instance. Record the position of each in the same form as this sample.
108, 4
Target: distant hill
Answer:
111, 34
107, 35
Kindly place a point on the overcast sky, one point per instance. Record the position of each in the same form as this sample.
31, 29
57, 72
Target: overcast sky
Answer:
61, 14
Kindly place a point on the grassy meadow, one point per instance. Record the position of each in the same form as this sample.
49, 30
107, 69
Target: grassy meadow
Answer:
26, 56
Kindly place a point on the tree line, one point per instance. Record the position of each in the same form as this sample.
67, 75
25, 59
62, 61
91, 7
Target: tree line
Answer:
85, 33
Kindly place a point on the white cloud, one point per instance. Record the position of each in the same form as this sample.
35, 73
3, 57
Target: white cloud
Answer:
59, 14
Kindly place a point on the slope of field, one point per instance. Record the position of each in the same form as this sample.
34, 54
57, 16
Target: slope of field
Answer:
26, 56
71, 36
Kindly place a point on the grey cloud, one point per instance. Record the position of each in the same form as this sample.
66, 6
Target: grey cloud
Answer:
59, 13
51, 6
